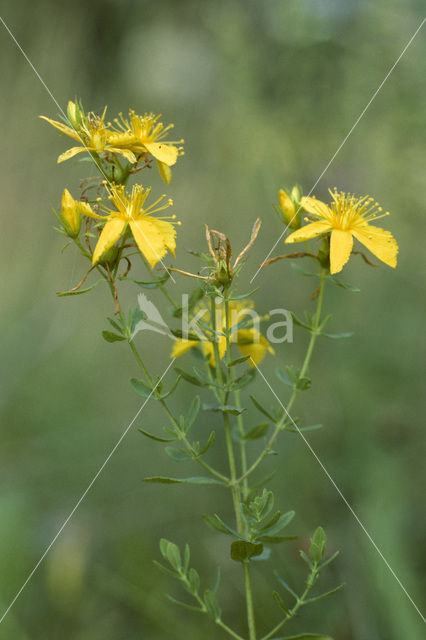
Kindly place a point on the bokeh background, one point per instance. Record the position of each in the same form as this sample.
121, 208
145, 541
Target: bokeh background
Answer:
263, 93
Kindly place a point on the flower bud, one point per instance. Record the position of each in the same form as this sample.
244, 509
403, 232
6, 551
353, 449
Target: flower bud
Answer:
71, 217
289, 205
74, 115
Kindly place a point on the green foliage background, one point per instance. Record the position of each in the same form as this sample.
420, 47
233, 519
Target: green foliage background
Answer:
263, 93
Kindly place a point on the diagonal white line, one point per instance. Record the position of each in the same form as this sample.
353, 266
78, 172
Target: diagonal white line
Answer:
84, 494
101, 171
345, 139
312, 450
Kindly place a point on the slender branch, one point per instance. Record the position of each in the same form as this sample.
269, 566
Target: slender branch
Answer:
303, 370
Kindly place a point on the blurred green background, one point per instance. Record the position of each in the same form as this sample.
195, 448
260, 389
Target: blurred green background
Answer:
263, 93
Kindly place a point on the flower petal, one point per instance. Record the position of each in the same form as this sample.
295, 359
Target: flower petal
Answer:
316, 207
258, 346
380, 242
86, 210
109, 236
70, 153
308, 232
166, 153
182, 346
153, 238
165, 172
341, 244
63, 128
126, 153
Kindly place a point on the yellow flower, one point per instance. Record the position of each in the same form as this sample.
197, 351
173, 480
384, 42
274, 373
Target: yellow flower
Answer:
289, 205
347, 217
71, 213
154, 236
91, 133
144, 134
249, 341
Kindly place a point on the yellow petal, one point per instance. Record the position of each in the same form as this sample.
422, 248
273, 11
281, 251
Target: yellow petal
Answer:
340, 249
109, 236
165, 172
63, 128
126, 153
86, 210
286, 204
70, 153
182, 346
316, 207
380, 242
70, 211
153, 238
209, 349
308, 232
252, 343
166, 153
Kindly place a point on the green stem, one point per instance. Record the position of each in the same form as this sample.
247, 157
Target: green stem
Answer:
236, 492
249, 600
303, 370
300, 602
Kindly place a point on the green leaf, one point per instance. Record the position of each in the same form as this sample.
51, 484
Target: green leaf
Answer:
193, 412
61, 294
242, 551
115, 325
193, 480
157, 438
216, 523
224, 408
284, 378
186, 335
261, 408
258, 431
313, 427
141, 388
190, 607
337, 336
318, 542
286, 586
239, 360
210, 442
194, 581
136, 315
305, 636
275, 539
299, 322
172, 388
330, 559
280, 602
192, 379
303, 271
244, 295
171, 553
344, 285
149, 284
212, 604
282, 522
177, 454
325, 595
244, 380
303, 383
109, 336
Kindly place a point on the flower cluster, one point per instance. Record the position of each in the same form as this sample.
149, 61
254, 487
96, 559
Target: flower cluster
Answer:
120, 214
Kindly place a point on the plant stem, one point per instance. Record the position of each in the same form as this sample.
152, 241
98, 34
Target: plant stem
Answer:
303, 370
249, 600
300, 602
236, 492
